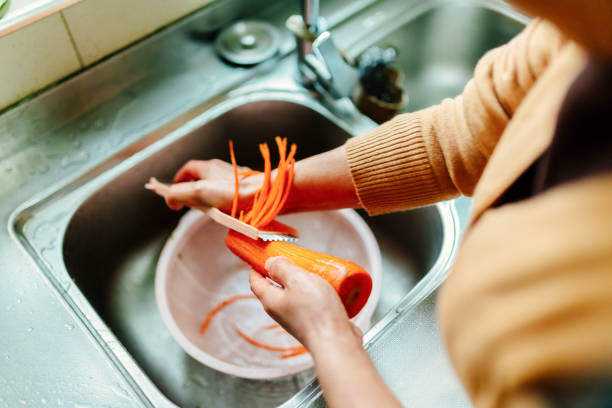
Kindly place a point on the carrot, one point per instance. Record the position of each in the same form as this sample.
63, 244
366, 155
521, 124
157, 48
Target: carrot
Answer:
220, 306
271, 326
352, 283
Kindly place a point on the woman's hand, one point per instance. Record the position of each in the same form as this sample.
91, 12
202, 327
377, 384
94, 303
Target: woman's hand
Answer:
306, 305
210, 183
309, 308
322, 182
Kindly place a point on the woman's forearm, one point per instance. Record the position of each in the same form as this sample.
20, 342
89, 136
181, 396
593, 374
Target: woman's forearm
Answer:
347, 376
322, 182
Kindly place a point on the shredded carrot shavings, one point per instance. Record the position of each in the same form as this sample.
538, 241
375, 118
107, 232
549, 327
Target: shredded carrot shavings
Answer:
273, 192
259, 344
220, 306
272, 196
282, 188
271, 326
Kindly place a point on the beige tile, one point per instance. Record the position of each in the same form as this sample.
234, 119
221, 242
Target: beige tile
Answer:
17, 14
100, 27
34, 57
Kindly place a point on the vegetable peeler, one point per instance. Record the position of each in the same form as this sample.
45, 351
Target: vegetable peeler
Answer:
274, 231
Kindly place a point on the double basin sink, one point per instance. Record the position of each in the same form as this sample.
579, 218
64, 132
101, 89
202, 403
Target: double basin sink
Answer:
98, 238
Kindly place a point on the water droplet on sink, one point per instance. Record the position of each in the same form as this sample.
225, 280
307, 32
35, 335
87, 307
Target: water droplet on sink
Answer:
77, 143
69, 326
47, 252
60, 402
22, 402
72, 159
43, 401
199, 380
98, 124
66, 285
45, 230
120, 391
30, 329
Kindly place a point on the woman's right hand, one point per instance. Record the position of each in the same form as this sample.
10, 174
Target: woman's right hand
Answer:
210, 183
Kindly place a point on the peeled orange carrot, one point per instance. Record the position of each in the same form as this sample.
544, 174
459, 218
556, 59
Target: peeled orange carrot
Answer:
352, 283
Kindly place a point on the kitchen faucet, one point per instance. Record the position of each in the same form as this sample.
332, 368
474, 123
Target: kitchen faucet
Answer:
320, 63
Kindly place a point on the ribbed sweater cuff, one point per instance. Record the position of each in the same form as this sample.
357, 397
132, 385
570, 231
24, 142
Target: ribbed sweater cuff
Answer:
390, 167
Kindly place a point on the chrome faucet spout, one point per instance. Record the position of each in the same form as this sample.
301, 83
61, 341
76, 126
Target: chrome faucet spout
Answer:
310, 14
320, 63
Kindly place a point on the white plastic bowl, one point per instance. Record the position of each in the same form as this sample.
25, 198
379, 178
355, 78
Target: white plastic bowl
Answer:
196, 271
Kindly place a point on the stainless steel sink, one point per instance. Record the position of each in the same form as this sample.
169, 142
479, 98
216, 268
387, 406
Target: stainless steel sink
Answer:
111, 231
113, 240
97, 236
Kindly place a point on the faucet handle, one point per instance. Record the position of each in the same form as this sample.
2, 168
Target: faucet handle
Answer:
302, 31
324, 63
343, 77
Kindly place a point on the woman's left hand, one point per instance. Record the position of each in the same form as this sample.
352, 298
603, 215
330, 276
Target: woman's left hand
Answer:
306, 305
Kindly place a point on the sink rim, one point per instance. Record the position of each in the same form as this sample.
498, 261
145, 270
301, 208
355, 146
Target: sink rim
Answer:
114, 166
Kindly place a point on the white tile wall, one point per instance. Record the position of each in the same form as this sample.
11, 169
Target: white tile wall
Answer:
52, 48
34, 57
100, 27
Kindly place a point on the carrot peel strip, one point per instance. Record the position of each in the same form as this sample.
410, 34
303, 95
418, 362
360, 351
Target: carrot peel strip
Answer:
266, 346
295, 353
219, 307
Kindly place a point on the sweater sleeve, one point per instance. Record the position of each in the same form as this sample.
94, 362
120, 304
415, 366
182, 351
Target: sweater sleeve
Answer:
422, 157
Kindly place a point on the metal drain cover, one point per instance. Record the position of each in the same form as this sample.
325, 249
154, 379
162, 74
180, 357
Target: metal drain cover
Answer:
248, 42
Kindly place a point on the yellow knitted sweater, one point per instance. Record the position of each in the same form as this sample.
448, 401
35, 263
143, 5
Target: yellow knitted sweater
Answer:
529, 300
